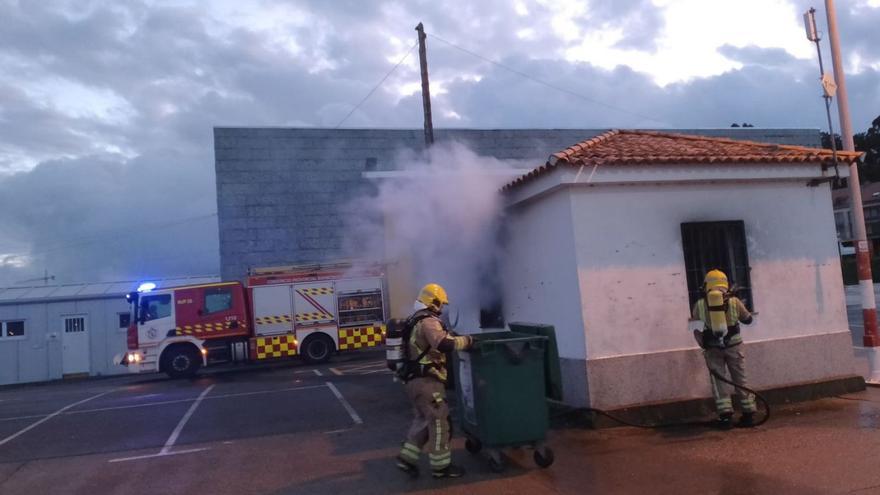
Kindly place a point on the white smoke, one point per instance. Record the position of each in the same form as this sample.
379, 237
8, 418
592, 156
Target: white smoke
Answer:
437, 219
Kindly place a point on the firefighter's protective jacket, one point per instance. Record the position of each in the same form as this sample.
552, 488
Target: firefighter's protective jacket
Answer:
736, 313
429, 333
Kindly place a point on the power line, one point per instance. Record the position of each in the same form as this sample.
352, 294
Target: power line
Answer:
365, 98
543, 82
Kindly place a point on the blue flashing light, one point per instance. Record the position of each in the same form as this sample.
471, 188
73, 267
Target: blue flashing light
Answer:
146, 287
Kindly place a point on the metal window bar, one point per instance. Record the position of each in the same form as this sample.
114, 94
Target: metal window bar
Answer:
708, 245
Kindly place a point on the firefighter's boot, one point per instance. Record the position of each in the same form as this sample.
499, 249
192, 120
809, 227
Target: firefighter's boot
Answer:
450, 471
407, 467
725, 421
747, 420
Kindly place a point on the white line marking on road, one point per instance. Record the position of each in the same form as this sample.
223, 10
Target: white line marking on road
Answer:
363, 366
337, 431
160, 454
335, 372
50, 416
383, 370
318, 372
166, 402
179, 428
351, 412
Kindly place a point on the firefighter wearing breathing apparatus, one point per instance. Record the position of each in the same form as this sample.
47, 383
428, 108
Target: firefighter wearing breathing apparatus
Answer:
721, 314
426, 386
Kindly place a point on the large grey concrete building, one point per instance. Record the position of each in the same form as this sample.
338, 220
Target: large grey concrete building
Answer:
282, 192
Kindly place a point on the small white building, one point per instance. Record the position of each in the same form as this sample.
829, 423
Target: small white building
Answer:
50, 332
610, 239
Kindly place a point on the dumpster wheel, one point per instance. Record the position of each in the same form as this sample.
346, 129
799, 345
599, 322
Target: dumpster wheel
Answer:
496, 461
544, 457
473, 445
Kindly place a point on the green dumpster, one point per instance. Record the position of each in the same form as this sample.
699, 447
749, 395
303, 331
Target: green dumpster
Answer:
501, 395
552, 371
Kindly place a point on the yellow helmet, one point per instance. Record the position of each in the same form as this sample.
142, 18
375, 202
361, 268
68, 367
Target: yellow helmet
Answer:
433, 296
716, 279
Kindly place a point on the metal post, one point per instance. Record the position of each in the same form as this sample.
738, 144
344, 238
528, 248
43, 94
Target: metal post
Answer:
426, 93
826, 95
863, 257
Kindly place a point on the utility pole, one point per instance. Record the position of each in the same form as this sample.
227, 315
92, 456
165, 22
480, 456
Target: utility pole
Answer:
426, 93
863, 257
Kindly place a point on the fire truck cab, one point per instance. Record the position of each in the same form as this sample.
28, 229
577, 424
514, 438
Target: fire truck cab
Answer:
283, 312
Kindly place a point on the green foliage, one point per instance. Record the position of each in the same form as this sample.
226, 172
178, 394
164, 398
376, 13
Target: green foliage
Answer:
868, 142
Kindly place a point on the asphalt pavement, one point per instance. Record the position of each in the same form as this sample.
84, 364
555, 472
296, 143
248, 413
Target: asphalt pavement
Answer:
336, 428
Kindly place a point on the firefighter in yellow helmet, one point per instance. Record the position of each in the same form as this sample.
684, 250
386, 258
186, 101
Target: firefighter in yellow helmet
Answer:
721, 314
428, 344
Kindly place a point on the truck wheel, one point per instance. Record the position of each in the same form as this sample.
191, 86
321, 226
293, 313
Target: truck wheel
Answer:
181, 361
317, 348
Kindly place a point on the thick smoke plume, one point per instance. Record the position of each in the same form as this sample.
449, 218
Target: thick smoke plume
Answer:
437, 219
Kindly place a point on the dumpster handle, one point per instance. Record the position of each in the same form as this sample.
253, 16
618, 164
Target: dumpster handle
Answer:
515, 356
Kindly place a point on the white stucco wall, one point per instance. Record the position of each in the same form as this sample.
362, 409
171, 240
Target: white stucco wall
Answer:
631, 265
599, 255
538, 270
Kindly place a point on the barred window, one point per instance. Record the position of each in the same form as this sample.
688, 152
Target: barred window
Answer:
721, 245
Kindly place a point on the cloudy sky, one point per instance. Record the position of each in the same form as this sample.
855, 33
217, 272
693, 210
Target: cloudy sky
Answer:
107, 108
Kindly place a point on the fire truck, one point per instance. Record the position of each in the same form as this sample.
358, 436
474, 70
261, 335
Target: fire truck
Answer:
281, 313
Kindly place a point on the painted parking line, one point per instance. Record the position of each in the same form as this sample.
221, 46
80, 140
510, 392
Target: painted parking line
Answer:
351, 412
360, 368
50, 416
363, 366
172, 439
151, 456
184, 420
318, 372
166, 450
167, 402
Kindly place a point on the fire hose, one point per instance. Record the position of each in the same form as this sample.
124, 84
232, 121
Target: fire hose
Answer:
715, 374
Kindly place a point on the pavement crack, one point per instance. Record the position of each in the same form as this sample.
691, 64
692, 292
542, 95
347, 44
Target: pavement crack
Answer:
857, 490
17, 469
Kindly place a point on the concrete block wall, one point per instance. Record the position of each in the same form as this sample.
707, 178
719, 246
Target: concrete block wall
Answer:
282, 192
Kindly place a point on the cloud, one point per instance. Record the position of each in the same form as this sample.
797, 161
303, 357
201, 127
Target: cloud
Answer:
107, 108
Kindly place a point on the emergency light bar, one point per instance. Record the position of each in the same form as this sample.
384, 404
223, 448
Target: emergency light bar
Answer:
146, 287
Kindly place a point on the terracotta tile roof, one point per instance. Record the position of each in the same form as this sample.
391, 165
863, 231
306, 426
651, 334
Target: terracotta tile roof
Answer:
627, 147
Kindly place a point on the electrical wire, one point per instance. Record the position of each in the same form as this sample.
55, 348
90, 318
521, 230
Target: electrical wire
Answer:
382, 81
545, 83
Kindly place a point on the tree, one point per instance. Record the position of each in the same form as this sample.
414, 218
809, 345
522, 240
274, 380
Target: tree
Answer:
869, 143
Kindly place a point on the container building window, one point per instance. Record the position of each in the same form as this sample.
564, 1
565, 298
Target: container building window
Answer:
124, 320
11, 329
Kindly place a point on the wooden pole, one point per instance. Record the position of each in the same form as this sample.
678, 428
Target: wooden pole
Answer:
426, 93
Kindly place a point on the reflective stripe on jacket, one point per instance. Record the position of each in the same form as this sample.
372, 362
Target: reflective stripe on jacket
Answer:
430, 334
